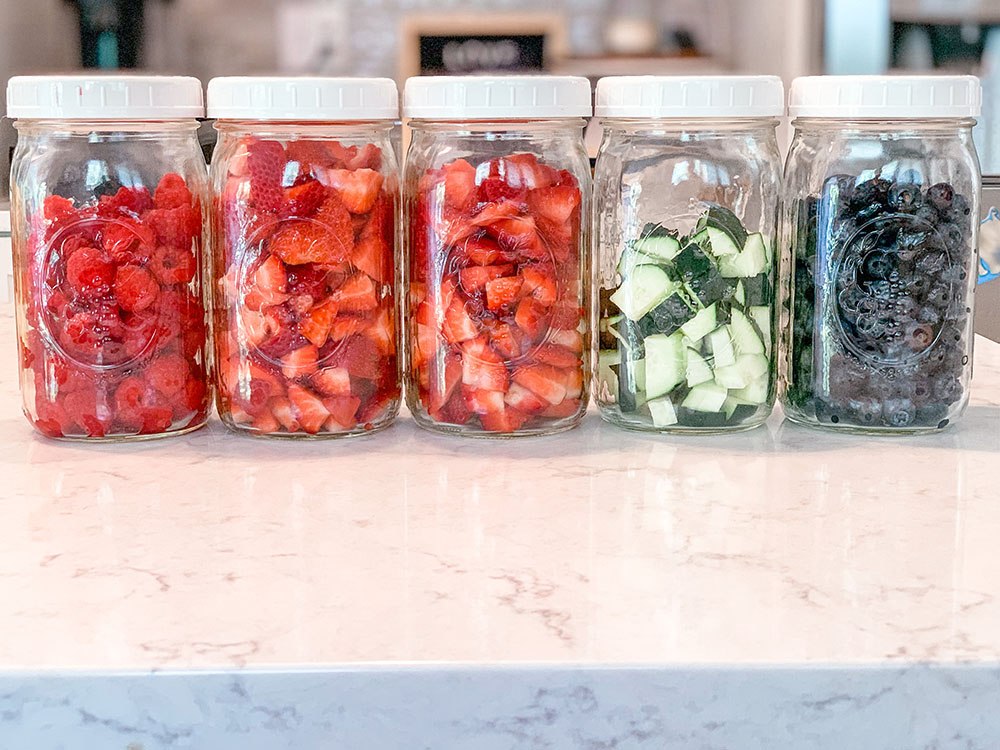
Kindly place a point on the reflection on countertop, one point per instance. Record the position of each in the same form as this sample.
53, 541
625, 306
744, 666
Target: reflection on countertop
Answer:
782, 545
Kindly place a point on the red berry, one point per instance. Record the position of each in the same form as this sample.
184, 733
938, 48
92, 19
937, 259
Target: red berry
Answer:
173, 265
168, 374
266, 165
177, 227
128, 201
56, 207
302, 200
172, 192
135, 288
90, 272
127, 241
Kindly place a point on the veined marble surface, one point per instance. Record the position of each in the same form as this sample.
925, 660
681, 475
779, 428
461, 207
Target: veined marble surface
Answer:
688, 592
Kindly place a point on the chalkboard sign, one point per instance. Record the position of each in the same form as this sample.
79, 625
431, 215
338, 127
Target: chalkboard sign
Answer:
467, 43
479, 53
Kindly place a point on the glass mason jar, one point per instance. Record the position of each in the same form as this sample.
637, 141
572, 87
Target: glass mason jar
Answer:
305, 189
496, 200
686, 192
107, 187
880, 217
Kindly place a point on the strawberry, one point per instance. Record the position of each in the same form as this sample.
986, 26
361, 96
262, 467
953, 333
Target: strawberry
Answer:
343, 410
343, 328
518, 233
460, 185
359, 356
506, 420
481, 251
444, 377
301, 201
266, 166
566, 316
574, 383
135, 288
357, 294
171, 192
501, 293
530, 318
455, 411
458, 324
524, 400
357, 190
496, 189
90, 272
506, 340
540, 283
484, 402
265, 423
327, 239
382, 332
570, 339
493, 212
307, 408
310, 279
544, 381
557, 356
332, 381
373, 251
310, 154
482, 367
474, 278
270, 282
368, 156
300, 362
283, 412
173, 265
556, 204
316, 325
567, 408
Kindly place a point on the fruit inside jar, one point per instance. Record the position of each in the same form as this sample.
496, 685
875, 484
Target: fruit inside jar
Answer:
115, 335
496, 309
306, 317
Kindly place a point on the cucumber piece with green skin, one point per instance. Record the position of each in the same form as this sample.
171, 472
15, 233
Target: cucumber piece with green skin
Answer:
750, 261
761, 315
757, 290
660, 244
668, 316
745, 336
631, 259
666, 363
701, 324
641, 290
694, 263
707, 397
720, 344
721, 242
640, 375
629, 337
720, 217
630, 395
698, 370
663, 412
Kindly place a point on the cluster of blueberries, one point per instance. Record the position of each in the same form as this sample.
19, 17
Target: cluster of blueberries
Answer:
879, 303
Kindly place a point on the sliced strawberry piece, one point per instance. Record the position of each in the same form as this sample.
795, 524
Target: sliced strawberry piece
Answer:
309, 153
452, 228
343, 410
301, 201
482, 367
357, 190
308, 409
540, 283
506, 340
444, 377
455, 411
567, 408
524, 400
427, 344
570, 339
368, 156
266, 165
556, 204
382, 332
474, 278
357, 294
344, 327
282, 410
373, 255
270, 283
327, 238
359, 356
484, 402
524, 171
300, 362
496, 189
494, 212
557, 356
508, 420
458, 324
316, 325
544, 381
266, 423
566, 316
518, 233
482, 251
530, 317
460, 185
503, 293
332, 381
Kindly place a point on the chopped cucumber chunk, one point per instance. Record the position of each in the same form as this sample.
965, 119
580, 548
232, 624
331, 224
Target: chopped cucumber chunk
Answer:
755, 392
720, 344
722, 218
730, 405
701, 324
666, 363
640, 374
631, 259
708, 397
721, 242
740, 295
757, 290
745, 337
698, 370
731, 377
668, 316
662, 411
661, 246
753, 366
641, 290
750, 261
761, 315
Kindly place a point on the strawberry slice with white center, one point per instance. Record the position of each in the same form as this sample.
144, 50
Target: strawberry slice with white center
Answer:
357, 294
540, 283
545, 381
503, 293
281, 408
484, 402
308, 409
357, 189
568, 338
474, 278
316, 325
508, 420
270, 282
524, 400
300, 362
332, 381
458, 324
460, 185
482, 367
556, 203
557, 356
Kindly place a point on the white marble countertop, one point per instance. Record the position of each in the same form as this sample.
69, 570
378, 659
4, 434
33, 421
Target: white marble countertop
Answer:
782, 546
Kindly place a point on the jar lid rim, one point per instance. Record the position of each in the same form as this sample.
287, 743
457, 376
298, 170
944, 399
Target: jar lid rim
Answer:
521, 97
903, 97
690, 97
104, 97
303, 98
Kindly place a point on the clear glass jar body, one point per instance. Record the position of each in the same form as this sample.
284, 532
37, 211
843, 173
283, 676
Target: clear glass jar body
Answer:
879, 225
304, 278
107, 235
684, 273
496, 225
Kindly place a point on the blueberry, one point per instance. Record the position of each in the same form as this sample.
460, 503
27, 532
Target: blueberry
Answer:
919, 336
878, 265
905, 198
951, 234
929, 315
948, 389
865, 411
940, 196
932, 262
898, 412
871, 191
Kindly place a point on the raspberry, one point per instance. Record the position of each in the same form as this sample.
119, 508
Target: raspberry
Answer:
56, 207
129, 398
127, 241
130, 201
89, 272
266, 164
191, 399
173, 265
135, 288
168, 374
172, 192
176, 227
82, 408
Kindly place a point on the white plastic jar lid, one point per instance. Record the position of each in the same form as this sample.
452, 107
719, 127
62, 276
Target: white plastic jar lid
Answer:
681, 97
496, 97
886, 97
96, 97
303, 99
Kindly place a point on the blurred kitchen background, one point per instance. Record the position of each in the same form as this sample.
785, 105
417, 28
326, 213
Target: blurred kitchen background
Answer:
399, 38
